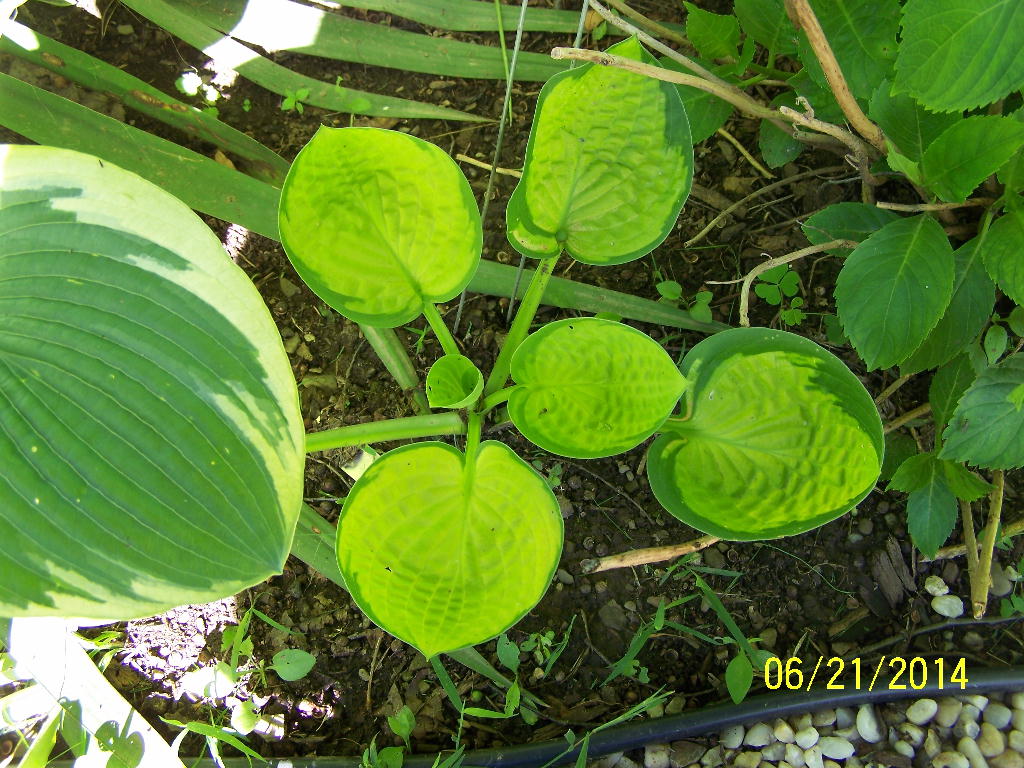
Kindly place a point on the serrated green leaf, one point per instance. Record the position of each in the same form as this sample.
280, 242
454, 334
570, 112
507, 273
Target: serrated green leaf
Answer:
913, 474
960, 54
968, 152
705, 112
862, 34
1004, 244
590, 388
893, 289
962, 482
994, 343
846, 221
987, 429
778, 147
947, 387
904, 165
767, 23
898, 448
453, 381
150, 415
974, 295
739, 675
442, 555
609, 164
810, 83
713, 35
1016, 320
1011, 175
911, 127
931, 514
377, 223
783, 438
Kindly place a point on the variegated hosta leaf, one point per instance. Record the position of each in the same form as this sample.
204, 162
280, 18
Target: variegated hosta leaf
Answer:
150, 435
783, 438
443, 555
608, 166
379, 222
591, 388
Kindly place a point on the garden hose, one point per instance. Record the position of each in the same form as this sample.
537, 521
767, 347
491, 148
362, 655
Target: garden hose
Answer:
689, 724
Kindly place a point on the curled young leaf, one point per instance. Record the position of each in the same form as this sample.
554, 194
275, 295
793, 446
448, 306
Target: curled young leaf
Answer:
453, 382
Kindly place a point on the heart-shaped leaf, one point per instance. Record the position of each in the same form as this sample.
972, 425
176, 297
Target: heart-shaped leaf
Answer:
442, 554
453, 382
150, 435
590, 388
608, 166
783, 438
379, 222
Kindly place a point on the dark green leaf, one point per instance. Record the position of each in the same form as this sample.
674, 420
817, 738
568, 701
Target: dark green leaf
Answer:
862, 34
931, 515
893, 289
964, 483
767, 23
905, 122
292, 663
1004, 244
669, 289
960, 54
898, 448
987, 428
846, 221
705, 112
947, 387
713, 35
994, 343
914, 473
968, 152
738, 677
1016, 321
810, 83
778, 147
1011, 175
508, 653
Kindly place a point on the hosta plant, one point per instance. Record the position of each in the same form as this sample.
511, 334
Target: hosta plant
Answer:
151, 420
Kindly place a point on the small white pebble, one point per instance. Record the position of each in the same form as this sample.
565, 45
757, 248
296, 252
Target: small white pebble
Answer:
998, 715
932, 743
795, 756
714, 757
847, 733
656, 756
823, 718
732, 737
922, 711
747, 760
935, 586
950, 606
806, 737
783, 731
802, 721
774, 752
1009, 759
966, 728
813, 758
1017, 700
903, 748
910, 733
1018, 719
1015, 740
868, 726
991, 741
831, 764
758, 735
970, 750
949, 711
977, 700
835, 747
950, 760
845, 717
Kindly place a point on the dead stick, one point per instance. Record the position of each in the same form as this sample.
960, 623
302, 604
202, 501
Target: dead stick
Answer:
982, 578
645, 556
956, 550
899, 421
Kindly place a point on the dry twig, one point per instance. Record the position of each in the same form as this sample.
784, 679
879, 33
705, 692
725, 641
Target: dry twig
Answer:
648, 555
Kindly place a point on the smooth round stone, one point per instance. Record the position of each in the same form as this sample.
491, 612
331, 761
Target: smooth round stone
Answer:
949, 711
977, 700
783, 731
1015, 740
747, 760
868, 725
1018, 719
795, 756
823, 718
714, 757
935, 586
950, 606
813, 758
806, 737
932, 743
966, 728
732, 737
774, 752
910, 733
835, 747
758, 735
950, 760
1001, 585
845, 718
998, 715
656, 756
969, 749
922, 711
991, 741
1009, 759
802, 721
1017, 700
686, 753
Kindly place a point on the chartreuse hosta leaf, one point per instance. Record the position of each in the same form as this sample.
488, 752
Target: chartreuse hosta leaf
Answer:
893, 289
378, 222
589, 388
782, 438
453, 382
960, 54
608, 166
442, 554
987, 427
150, 435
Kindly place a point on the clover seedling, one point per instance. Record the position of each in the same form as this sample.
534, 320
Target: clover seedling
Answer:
776, 283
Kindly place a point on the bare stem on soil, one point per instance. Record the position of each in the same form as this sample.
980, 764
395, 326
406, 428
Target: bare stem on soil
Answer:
645, 556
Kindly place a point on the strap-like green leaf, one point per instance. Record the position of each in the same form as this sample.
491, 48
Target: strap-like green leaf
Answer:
961, 54
987, 428
149, 425
442, 555
1003, 246
379, 222
968, 152
969, 309
893, 289
609, 164
783, 438
591, 388
453, 382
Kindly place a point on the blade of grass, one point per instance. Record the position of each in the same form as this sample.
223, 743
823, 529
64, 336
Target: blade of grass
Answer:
468, 15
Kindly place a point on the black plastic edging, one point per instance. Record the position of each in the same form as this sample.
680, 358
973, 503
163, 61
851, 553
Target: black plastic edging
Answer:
700, 722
